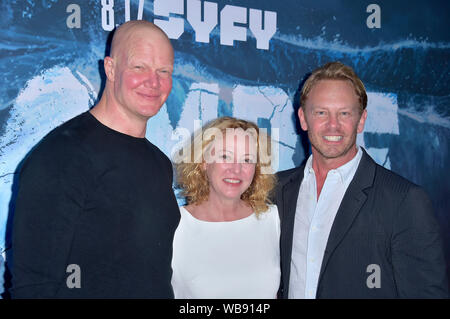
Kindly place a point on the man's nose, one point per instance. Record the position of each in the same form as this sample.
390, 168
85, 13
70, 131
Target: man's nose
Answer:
333, 121
151, 79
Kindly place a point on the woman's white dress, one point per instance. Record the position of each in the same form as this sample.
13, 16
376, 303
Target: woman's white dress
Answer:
234, 259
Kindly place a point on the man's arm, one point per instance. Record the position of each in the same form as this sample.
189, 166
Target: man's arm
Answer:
50, 197
417, 251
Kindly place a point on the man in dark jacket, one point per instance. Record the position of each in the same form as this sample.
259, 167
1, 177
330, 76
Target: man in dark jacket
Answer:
351, 228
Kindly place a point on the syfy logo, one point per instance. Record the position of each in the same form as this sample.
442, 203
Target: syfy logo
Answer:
203, 26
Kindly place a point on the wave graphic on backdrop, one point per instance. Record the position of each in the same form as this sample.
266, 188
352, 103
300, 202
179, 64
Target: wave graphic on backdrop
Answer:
46, 102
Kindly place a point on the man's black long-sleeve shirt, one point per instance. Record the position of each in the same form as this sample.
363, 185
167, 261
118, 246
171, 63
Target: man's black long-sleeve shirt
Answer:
101, 200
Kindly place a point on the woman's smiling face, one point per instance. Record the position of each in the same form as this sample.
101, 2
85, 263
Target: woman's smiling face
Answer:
230, 163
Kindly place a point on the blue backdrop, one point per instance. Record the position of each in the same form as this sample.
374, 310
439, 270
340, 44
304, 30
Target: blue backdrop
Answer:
242, 58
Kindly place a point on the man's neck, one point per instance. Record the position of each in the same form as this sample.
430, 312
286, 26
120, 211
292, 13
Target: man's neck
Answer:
111, 116
322, 166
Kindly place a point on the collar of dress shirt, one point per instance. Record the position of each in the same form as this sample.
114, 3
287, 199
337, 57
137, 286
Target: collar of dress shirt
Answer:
345, 171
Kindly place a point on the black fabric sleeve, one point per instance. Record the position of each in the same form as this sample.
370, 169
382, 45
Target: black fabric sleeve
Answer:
417, 252
52, 191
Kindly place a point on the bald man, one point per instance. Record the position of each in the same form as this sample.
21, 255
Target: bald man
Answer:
95, 212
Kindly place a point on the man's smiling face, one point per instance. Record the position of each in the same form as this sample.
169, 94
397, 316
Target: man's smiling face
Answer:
332, 116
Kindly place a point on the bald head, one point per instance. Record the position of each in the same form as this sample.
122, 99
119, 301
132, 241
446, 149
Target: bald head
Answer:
130, 32
138, 77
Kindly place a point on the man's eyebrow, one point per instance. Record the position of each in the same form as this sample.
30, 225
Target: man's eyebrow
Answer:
168, 66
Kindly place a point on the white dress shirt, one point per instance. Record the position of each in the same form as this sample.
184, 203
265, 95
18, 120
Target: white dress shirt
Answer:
312, 225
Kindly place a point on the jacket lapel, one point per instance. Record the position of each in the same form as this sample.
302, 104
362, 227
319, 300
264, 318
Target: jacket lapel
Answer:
350, 207
287, 205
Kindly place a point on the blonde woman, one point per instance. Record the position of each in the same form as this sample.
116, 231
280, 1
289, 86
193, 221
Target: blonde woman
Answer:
227, 242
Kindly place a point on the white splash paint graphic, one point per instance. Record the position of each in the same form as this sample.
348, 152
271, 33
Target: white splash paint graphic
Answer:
47, 101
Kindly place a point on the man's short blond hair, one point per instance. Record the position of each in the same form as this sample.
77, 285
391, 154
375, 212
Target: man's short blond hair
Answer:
335, 71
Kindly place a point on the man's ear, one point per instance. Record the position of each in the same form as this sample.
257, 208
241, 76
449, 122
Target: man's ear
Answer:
301, 117
362, 121
108, 64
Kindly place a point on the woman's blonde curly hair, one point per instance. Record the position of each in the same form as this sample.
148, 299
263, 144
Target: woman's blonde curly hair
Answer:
191, 176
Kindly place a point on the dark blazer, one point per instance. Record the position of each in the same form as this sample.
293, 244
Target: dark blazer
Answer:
383, 220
